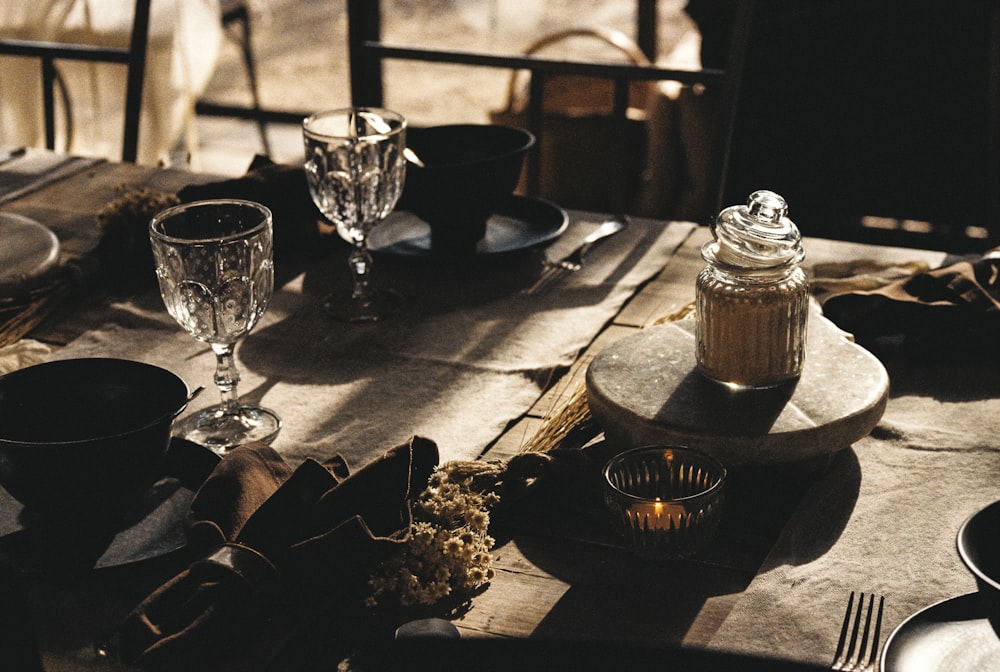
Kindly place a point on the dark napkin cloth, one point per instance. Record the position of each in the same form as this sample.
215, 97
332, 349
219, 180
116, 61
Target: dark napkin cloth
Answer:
284, 190
280, 547
952, 311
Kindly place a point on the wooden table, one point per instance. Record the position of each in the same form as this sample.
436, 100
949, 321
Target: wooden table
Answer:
553, 578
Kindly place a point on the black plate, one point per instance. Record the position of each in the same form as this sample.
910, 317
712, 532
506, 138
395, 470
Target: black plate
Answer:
154, 528
29, 252
947, 636
519, 224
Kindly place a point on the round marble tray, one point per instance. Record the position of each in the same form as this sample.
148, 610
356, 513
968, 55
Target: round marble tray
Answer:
645, 389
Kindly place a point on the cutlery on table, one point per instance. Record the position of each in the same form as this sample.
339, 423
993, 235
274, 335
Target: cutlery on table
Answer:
574, 260
851, 654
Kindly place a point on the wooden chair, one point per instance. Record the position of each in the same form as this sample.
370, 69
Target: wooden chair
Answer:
132, 57
367, 53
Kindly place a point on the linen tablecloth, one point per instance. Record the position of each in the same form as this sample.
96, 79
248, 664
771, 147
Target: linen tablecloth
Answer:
34, 169
885, 517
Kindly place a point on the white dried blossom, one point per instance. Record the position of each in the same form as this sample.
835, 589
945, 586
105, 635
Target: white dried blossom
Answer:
448, 554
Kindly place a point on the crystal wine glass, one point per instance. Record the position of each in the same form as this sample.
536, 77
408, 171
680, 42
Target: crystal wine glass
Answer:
355, 168
216, 274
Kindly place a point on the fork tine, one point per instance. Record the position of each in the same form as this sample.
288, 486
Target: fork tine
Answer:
875, 636
840, 657
554, 270
550, 274
854, 653
868, 626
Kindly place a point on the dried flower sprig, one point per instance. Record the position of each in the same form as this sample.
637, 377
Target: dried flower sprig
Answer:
447, 559
570, 421
124, 250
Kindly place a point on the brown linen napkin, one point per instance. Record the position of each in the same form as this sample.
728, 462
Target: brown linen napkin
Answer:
947, 312
840, 277
284, 190
123, 255
280, 546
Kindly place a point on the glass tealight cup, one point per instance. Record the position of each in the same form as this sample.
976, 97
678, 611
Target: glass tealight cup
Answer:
667, 500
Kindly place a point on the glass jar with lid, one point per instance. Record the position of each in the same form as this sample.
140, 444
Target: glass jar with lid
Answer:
752, 298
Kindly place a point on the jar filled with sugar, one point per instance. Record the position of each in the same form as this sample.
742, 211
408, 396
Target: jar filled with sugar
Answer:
752, 297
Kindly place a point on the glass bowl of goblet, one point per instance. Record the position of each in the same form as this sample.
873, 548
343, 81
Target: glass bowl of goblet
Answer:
355, 168
214, 264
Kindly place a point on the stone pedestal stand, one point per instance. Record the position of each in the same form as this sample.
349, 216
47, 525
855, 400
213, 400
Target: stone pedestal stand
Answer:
645, 389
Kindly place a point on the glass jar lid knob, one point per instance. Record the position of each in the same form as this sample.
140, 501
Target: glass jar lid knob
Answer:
767, 207
756, 235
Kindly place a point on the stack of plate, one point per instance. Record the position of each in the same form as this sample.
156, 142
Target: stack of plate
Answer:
28, 252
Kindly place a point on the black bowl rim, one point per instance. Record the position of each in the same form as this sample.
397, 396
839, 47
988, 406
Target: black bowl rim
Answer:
97, 361
963, 544
718, 485
529, 142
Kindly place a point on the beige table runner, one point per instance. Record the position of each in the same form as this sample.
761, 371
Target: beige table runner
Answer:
468, 354
36, 168
883, 519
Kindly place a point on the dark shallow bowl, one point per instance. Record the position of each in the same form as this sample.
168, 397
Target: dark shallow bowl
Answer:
80, 437
469, 170
979, 548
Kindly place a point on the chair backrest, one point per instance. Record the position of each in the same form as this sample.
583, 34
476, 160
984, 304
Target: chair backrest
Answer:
132, 57
367, 52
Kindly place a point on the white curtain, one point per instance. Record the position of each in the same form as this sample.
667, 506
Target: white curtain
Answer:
184, 42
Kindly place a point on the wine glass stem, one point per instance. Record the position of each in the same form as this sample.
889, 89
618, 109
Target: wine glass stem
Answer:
361, 265
227, 376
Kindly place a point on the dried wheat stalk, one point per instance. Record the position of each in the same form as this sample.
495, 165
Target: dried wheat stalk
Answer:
570, 416
18, 318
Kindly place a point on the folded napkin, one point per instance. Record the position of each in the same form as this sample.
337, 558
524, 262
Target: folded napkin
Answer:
284, 190
278, 547
946, 312
840, 277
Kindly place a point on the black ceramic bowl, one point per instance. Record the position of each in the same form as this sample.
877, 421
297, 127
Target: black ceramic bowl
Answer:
979, 548
469, 170
85, 436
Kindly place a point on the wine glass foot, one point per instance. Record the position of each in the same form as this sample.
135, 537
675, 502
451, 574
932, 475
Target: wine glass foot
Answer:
377, 305
221, 432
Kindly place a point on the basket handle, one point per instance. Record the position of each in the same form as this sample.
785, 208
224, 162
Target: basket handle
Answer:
615, 38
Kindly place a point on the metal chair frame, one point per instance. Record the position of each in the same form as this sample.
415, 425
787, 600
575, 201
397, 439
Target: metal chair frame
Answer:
367, 53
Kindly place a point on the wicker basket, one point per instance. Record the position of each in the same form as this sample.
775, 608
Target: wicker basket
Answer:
578, 142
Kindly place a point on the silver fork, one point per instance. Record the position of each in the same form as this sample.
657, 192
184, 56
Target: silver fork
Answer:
852, 655
574, 260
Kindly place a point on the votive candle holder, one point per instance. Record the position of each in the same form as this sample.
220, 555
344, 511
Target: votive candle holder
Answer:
666, 499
